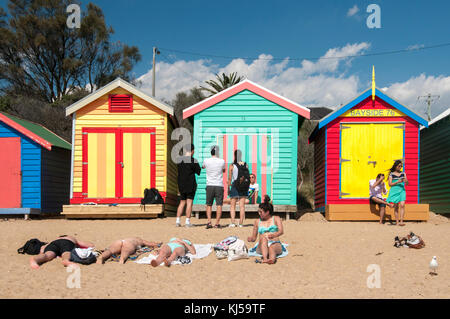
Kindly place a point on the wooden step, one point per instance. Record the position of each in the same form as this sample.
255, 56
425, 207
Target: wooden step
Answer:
365, 212
119, 211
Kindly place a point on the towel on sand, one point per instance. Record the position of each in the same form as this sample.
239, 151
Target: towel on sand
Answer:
203, 250
252, 251
134, 256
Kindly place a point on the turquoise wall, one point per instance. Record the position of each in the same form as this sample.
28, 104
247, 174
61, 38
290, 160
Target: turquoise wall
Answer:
247, 113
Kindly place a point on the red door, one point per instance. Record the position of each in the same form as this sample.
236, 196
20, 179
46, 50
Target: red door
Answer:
10, 180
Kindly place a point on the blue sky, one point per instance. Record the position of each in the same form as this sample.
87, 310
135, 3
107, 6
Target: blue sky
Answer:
294, 29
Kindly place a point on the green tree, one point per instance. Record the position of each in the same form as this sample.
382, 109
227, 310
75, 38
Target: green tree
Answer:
41, 57
222, 82
184, 100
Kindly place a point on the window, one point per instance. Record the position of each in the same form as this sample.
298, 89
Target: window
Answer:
120, 103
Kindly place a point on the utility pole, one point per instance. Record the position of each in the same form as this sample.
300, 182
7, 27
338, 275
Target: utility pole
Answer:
155, 52
430, 99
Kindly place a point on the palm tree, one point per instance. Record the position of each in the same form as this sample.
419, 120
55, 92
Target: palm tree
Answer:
222, 82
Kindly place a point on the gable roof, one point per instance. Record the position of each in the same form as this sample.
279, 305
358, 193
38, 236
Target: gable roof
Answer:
439, 117
35, 132
338, 112
111, 86
253, 87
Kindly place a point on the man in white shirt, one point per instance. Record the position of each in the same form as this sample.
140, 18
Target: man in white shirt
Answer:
377, 189
215, 167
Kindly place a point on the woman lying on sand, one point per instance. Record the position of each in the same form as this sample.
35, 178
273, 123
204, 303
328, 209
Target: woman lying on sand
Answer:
125, 247
170, 251
269, 228
60, 247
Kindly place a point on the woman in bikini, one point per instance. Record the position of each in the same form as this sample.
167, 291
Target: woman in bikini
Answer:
397, 193
125, 247
270, 228
174, 248
60, 247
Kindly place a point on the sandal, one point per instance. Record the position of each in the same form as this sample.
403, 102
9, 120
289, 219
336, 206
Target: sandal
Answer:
208, 226
258, 261
217, 226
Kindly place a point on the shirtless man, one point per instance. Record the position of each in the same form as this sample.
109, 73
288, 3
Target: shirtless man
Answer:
125, 247
60, 247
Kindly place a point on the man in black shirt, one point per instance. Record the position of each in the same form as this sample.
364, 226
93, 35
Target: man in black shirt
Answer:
187, 185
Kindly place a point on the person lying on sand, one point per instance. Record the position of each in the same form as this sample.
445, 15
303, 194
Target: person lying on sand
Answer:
125, 247
174, 248
269, 228
60, 247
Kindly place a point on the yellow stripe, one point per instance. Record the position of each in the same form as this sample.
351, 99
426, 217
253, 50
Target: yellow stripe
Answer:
137, 165
101, 167
145, 146
92, 165
128, 165
110, 165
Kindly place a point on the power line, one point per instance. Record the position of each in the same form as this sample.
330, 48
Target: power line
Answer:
313, 58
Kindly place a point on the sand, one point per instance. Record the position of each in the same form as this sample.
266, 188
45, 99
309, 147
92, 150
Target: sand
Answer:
326, 260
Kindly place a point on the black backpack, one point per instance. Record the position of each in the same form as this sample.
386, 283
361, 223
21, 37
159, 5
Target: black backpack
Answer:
243, 178
152, 196
31, 247
84, 261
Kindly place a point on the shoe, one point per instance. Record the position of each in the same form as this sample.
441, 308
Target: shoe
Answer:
209, 226
178, 225
240, 225
232, 225
188, 225
217, 226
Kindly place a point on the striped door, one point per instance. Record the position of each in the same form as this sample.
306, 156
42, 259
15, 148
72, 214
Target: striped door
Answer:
118, 163
256, 151
137, 163
10, 173
367, 149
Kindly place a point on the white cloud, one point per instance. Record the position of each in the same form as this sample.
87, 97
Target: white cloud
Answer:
325, 82
415, 47
352, 11
312, 83
407, 92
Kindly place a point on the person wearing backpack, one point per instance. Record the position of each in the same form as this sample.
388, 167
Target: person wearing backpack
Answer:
187, 185
239, 179
269, 228
60, 247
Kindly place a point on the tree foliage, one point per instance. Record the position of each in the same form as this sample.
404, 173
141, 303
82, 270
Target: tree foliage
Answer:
222, 82
182, 101
41, 57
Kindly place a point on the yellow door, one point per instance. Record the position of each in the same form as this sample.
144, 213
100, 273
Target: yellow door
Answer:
101, 173
367, 150
136, 163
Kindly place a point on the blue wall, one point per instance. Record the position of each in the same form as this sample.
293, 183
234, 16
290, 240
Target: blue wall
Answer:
30, 166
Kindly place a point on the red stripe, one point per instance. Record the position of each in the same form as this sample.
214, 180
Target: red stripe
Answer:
84, 160
263, 165
119, 158
153, 160
255, 155
225, 175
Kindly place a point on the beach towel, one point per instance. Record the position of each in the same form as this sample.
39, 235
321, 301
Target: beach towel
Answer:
203, 250
134, 256
252, 252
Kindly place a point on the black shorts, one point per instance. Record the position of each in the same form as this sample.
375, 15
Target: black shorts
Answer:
375, 203
60, 246
214, 192
187, 195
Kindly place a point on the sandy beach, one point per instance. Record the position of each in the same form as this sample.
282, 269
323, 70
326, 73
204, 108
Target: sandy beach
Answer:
325, 260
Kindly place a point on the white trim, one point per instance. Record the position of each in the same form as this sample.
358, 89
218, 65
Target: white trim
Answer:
111, 86
73, 154
438, 118
240, 83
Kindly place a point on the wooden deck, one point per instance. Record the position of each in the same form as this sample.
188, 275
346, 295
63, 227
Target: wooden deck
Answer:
119, 211
287, 209
367, 212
